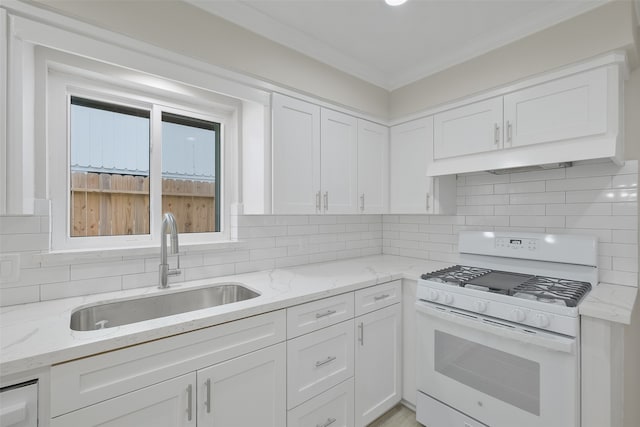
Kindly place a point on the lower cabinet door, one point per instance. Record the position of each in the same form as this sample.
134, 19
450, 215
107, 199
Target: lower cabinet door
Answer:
377, 366
246, 391
171, 403
333, 408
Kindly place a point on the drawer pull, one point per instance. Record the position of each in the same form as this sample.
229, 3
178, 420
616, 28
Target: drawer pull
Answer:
327, 423
207, 402
325, 314
189, 402
361, 328
325, 361
379, 297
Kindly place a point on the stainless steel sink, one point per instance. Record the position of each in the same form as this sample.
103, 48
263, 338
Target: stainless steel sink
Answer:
108, 315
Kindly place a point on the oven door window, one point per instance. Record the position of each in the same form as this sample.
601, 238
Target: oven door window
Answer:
506, 377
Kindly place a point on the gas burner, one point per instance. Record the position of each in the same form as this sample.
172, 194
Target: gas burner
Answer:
554, 290
457, 275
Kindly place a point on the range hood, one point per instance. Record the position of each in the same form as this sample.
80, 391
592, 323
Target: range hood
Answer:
531, 168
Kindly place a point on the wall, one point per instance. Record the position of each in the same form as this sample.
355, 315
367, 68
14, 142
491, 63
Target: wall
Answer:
211, 39
598, 31
268, 242
596, 198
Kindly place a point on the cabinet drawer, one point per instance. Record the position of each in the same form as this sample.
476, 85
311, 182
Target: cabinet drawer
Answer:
314, 315
318, 361
379, 296
86, 381
332, 408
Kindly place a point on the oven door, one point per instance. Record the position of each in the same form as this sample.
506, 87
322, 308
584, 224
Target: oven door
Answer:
499, 373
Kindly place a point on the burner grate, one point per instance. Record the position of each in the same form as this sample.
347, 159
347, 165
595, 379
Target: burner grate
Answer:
457, 274
551, 289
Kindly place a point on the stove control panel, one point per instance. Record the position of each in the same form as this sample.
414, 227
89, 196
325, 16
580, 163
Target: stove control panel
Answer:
516, 244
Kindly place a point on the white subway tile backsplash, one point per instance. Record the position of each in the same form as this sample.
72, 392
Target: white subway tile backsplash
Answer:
21, 295
298, 230
593, 183
601, 221
436, 228
592, 198
520, 187
76, 288
497, 199
536, 198
19, 225
269, 253
536, 221
332, 228
582, 209
520, 210
24, 242
625, 181
208, 271
38, 276
106, 269
602, 196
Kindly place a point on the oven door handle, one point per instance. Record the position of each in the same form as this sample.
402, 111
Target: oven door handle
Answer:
539, 338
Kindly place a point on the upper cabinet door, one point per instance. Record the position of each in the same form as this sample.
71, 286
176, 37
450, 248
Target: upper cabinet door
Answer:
296, 156
567, 108
474, 128
373, 167
339, 162
409, 153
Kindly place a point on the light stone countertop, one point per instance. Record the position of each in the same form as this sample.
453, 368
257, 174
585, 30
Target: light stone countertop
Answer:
610, 302
37, 335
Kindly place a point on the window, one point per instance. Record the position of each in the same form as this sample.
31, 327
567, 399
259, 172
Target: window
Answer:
132, 156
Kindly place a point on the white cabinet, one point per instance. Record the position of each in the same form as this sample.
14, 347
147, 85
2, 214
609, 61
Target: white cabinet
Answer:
170, 403
318, 361
296, 156
569, 115
205, 378
373, 167
333, 408
378, 363
474, 128
19, 405
338, 162
249, 390
412, 191
573, 107
315, 161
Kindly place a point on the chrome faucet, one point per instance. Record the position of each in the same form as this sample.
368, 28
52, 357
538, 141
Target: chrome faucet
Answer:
168, 224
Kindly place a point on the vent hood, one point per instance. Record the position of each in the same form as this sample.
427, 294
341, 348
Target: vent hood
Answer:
531, 168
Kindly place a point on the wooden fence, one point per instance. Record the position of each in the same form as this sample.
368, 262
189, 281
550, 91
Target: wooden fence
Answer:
111, 205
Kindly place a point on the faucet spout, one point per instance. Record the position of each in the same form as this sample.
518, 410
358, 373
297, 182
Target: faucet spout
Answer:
168, 225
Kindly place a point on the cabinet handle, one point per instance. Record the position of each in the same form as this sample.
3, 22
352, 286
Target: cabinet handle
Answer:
362, 202
189, 402
325, 361
326, 201
318, 207
379, 297
325, 314
327, 423
428, 204
361, 330
496, 134
207, 402
509, 132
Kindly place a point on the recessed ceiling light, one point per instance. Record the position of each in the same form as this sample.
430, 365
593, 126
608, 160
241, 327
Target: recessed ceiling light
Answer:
394, 2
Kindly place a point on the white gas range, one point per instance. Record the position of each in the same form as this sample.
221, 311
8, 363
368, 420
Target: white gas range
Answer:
498, 335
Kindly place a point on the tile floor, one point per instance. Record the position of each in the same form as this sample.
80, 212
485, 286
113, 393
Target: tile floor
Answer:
400, 416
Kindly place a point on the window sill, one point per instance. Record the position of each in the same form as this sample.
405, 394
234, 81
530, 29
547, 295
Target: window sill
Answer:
61, 257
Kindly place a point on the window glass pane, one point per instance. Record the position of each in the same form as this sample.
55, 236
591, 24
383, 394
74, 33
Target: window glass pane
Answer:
109, 169
190, 172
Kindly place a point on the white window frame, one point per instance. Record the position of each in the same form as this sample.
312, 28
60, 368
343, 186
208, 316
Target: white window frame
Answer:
64, 81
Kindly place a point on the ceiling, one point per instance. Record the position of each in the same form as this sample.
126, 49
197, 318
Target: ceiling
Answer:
394, 46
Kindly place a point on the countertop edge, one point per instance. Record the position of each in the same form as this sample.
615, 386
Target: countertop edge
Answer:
610, 302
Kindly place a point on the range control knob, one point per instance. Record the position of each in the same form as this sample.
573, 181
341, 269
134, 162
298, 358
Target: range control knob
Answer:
518, 315
481, 306
542, 320
434, 295
448, 298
